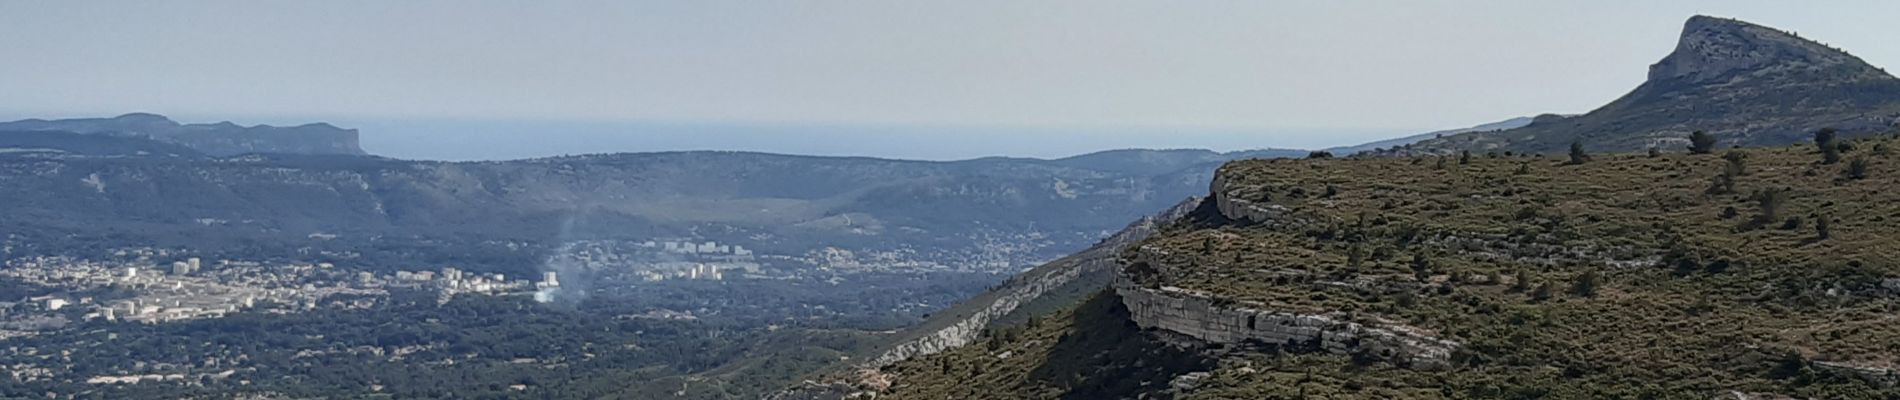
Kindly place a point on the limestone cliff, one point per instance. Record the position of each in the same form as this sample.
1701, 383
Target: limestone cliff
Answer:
1747, 84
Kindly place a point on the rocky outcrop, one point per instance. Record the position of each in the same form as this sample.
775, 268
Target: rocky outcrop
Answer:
219, 139
1883, 376
1746, 84
1202, 317
1011, 297
1205, 318
1096, 264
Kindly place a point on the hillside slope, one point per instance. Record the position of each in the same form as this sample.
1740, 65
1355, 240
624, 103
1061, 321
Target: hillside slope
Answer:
1747, 84
1511, 277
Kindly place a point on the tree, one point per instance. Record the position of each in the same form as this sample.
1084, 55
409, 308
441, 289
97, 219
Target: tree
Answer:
1320, 154
1830, 152
1821, 228
1769, 202
1737, 163
1421, 267
1586, 284
1464, 157
1701, 143
1521, 281
1355, 256
1824, 138
1577, 156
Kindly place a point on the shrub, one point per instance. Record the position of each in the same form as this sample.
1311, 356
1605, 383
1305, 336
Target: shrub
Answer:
1577, 156
1464, 157
1737, 162
1857, 169
1654, 152
1821, 228
1768, 203
1319, 154
1792, 223
1722, 184
1701, 143
1586, 284
1542, 292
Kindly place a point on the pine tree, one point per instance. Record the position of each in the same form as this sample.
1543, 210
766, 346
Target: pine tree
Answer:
1421, 267
1821, 228
1830, 151
1577, 156
1701, 143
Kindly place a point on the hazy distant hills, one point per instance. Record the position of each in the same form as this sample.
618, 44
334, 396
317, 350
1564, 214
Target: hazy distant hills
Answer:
1395, 142
219, 139
90, 188
1747, 84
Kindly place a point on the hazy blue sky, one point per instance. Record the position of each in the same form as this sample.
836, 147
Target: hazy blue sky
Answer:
1024, 77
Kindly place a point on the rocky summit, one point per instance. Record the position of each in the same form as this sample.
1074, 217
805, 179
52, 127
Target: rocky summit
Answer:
1746, 84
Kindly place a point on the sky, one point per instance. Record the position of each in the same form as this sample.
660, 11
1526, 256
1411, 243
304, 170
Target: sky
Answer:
467, 79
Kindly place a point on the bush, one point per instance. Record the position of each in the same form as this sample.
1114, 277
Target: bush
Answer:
1768, 203
1577, 156
1821, 228
1737, 162
1464, 157
1586, 284
1857, 169
1701, 143
1320, 154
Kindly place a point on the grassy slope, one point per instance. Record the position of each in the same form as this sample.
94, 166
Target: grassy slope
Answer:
1690, 300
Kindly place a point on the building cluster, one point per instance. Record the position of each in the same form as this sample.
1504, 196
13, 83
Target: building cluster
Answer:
705, 248
191, 289
186, 267
712, 271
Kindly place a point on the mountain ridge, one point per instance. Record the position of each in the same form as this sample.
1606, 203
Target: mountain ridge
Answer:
1746, 84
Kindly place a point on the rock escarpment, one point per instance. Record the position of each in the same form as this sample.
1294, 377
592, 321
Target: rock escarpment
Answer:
1089, 271
1202, 317
1746, 84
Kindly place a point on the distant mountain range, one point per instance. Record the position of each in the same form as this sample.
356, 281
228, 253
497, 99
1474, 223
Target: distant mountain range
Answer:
1746, 84
72, 192
219, 139
95, 183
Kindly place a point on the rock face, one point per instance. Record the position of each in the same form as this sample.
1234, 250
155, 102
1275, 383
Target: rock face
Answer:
1747, 84
219, 139
1205, 318
1198, 316
1089, 270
